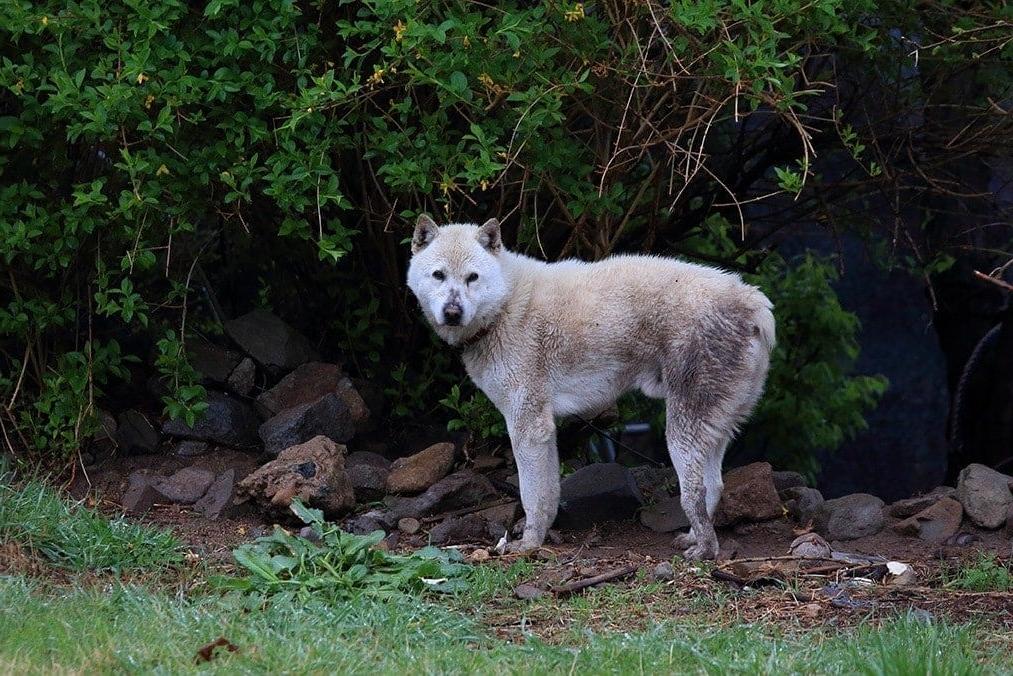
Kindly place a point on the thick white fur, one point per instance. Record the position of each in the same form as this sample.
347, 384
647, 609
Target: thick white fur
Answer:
571, 337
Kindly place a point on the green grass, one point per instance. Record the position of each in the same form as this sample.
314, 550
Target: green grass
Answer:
73, 537
987, 574
125, 628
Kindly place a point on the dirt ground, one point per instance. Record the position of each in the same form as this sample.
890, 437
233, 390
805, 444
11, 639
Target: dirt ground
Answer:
620, 545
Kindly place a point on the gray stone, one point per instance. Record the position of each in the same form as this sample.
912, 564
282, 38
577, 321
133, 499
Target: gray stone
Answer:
271, 342
328, 416
935, 523
186, 486
663, 572
213, 362
467, 529
306, 384
418, 472
373, 520
666, 516
801, 503
243, 377
748, 495
985, 495
501, 517
140, 495
135, 435
218, 496
902, 509
408, 525
810, 546
313, 471
595, 494
227, 421
850, 517
368, 481
784, 479
189, 448
461, 489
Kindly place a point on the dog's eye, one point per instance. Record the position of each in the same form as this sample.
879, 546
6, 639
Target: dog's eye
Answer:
472, 277
438, 274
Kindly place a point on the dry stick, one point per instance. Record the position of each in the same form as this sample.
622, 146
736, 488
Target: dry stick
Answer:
597, 579
467, 510
997, 282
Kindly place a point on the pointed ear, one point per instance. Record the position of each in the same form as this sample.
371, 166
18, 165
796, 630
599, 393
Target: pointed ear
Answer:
489, 237
425, 232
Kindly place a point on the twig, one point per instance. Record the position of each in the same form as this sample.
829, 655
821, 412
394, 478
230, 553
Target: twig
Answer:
597, 579
998, 282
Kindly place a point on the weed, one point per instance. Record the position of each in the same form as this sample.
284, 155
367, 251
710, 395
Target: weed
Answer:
984, 575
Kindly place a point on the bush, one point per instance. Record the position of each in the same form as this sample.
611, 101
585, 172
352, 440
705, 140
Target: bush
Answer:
167, 165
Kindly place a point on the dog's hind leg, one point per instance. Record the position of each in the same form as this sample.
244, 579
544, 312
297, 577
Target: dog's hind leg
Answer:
696, 456
533, 437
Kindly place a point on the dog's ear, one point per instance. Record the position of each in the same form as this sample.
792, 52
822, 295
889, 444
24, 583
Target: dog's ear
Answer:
425, 232
489, 237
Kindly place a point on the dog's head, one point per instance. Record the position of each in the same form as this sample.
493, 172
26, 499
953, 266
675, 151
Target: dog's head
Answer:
457, 276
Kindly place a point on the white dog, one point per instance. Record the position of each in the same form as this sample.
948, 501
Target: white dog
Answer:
550, 339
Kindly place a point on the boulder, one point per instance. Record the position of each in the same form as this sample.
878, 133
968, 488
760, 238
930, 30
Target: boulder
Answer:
243, 377
985, 495
313, 471
218, 496
470, 529
271, 342
189, 448
748, 495
213, 362
801, 503
328, 416
501, 517
783, 480
306, 384
459, 490
849, 517
227, 421
902, 509
420, 471
140, 495
666, 516
367, 472
595, 494
135, 435
935, 523
186, 486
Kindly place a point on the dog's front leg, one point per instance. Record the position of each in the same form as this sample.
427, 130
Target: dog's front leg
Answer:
533, 437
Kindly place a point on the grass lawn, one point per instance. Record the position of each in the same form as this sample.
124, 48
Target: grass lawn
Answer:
153, 615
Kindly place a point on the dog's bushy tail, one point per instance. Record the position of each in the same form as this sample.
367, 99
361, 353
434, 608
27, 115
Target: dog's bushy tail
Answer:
765, 322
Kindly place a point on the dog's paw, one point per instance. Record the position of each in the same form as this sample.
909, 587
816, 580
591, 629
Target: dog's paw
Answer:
684, 541
703, 551
521, 547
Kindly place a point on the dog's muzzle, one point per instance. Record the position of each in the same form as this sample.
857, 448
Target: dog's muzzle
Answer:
452, 314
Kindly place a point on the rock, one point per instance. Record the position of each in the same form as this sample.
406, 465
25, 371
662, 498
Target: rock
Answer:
810, 546
227, 421
902, 509
218, 496
420, 471
186, 486
783, 480
501, 517
408, 525
467, 529
306, 384
849, 517
528, 592
271, 342
134, 434
801, 503
307, 533
459, 490
656, 484
749, 495
107, 426
189, 448
935, 523
373, 520
665, 516
1009, 523
212, 361
243, 377
900, 574
595, 494
478, 556
962, 540
663, 572
985, 495
140, 495
728, 549
313, 471
487, 463
328, 416
367, 472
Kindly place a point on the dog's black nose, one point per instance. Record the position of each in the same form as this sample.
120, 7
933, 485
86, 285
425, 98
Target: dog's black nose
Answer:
452, 314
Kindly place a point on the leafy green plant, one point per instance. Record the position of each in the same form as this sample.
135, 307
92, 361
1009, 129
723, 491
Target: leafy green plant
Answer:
475, 413
986, 574
71, 536
340, 564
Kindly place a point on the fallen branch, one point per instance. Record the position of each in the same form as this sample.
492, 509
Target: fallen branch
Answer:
597, 579
998, 282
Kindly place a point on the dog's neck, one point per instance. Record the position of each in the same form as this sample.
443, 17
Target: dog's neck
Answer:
475, 338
